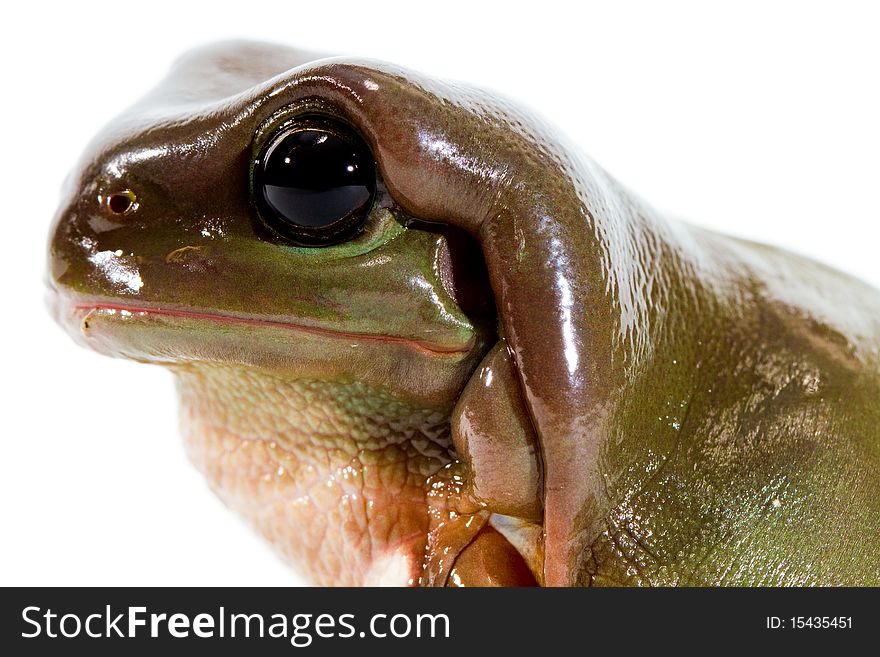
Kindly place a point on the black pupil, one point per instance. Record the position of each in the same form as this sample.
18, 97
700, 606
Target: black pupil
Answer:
315, 183
119, 203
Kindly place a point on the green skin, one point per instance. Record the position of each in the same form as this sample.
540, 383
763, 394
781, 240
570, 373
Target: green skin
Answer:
517, 373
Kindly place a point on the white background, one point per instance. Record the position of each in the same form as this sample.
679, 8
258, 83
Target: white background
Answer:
762, 119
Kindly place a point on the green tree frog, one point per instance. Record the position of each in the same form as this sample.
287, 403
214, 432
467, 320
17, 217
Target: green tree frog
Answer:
420, 339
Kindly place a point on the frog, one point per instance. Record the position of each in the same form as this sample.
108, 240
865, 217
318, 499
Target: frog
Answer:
420, 339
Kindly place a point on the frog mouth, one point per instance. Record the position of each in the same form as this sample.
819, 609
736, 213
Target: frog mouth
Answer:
89, 319
86, 313
178, 336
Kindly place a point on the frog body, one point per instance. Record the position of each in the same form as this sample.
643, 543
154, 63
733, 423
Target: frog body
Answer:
507, 370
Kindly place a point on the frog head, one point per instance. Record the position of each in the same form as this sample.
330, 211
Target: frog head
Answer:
246, 239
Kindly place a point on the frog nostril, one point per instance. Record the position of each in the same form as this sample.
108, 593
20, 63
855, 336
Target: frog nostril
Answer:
122, 203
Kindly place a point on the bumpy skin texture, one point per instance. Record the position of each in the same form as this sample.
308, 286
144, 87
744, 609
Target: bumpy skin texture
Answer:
691, 408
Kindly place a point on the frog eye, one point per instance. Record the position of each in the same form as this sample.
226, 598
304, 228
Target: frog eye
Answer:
121, 203
314, 182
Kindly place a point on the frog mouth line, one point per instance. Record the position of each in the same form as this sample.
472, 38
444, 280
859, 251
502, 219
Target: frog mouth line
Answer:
84, 309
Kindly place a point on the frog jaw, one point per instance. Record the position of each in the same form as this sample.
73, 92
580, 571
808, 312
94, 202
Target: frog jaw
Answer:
171, 336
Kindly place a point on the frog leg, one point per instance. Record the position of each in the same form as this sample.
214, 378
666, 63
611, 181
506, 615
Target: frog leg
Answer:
487, 504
